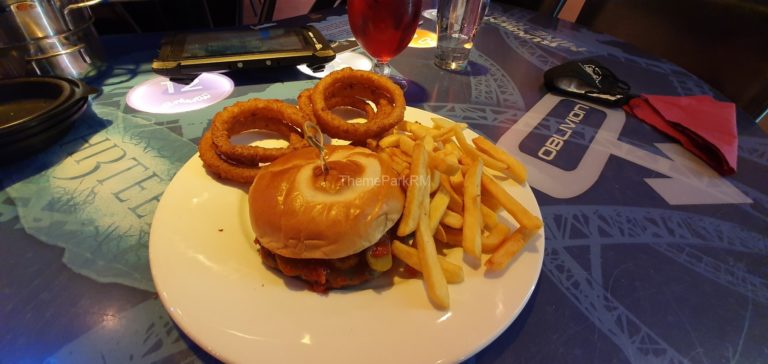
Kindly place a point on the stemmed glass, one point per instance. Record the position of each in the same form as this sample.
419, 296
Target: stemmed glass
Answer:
384, 28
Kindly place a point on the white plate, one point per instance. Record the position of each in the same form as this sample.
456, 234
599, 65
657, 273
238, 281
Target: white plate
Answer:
211, 280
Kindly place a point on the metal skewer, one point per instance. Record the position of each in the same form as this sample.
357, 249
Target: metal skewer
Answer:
314, 136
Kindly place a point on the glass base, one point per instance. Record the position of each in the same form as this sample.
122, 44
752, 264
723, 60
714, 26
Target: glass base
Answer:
451, 65
452, 58
384, 69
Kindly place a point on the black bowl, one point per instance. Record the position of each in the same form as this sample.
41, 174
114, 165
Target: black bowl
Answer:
36, 111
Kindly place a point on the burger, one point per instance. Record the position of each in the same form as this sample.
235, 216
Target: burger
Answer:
327, 226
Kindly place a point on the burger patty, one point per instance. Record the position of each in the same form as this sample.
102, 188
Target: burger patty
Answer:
325, 274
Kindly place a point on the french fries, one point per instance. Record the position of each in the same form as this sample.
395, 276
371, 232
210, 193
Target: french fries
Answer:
453, 272
447, 164
515, 169
524, 217
417, 190
450, 236
456, 203
437, 208
473, 153
406, 145
453, 202
491, 241
391, 140
452, 219
457, 182
441, 123
434, 181
473, 217
490, 219
437, 286
507, 250
420, 131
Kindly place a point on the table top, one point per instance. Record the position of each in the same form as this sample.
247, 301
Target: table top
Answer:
650, 255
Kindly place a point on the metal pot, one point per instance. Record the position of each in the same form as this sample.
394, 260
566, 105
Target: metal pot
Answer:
49, 37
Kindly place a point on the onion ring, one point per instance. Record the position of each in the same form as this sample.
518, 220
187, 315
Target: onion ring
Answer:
304, 100
222, 168
272, 115
351, 101
346, 83
354, 103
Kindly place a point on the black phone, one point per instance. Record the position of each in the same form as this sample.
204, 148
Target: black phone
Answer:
185, 55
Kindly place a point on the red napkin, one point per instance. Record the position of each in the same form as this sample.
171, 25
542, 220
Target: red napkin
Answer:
704, 126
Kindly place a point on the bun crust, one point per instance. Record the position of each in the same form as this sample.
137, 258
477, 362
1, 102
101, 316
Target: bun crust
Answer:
295, 216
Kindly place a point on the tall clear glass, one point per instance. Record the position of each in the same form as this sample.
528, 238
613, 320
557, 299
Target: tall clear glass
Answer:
457, 25
384, 28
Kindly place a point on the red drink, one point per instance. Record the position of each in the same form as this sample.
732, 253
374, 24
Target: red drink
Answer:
383, 27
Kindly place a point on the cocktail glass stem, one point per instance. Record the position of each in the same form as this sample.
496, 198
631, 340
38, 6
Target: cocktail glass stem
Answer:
382, 68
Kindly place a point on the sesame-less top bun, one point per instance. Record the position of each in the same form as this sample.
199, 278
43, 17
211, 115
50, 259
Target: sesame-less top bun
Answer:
296, 211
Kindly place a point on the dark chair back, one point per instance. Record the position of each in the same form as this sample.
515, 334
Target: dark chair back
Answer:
723, 42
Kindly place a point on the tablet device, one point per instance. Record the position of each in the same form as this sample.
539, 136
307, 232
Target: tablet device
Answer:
186, 55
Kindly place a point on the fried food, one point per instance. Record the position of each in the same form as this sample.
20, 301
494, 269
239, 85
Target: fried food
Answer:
460, 210
508, 249
220, 167
437, 285
304, 101
453, 272
494, 237
240, 163
417, 190
358, 90
516, 169
522, 215
473, 217
438, 207
272, 115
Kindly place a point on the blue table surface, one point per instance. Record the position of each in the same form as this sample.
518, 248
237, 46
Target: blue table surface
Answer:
650, 255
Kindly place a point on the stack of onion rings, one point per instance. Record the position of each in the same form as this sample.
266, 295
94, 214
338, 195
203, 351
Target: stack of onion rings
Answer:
355, 89
376, 96
240, 163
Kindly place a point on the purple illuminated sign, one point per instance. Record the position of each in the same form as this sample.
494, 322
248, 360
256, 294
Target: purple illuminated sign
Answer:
161, 96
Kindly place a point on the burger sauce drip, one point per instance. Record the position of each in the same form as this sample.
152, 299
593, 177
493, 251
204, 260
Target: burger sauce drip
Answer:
340, 174
382, 248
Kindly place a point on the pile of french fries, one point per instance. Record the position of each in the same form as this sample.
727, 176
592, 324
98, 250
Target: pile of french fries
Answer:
453, 197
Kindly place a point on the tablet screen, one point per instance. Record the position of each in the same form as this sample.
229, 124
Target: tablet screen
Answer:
225, 43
